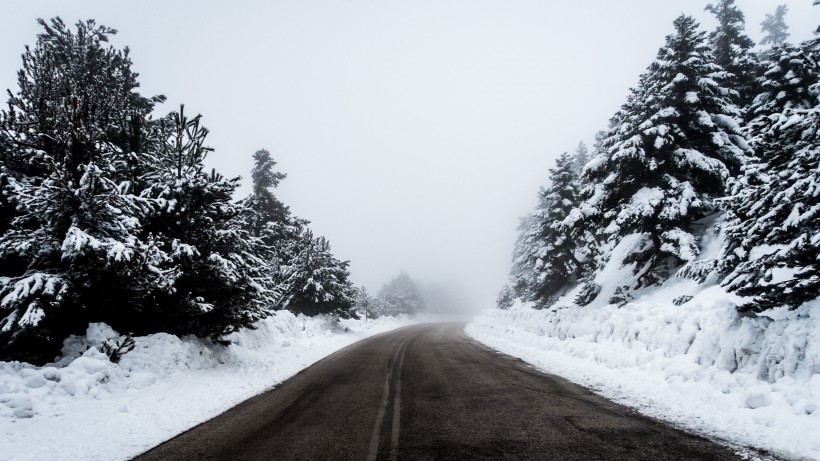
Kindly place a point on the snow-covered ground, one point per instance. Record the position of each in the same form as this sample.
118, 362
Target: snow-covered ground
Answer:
752, 381
84, 407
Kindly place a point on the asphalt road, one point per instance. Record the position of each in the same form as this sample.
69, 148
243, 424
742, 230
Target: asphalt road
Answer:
429, 392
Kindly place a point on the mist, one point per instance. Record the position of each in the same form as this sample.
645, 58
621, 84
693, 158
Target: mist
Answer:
415, 134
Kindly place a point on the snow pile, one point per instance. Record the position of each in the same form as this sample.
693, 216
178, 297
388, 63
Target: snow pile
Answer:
86, 407
753, 381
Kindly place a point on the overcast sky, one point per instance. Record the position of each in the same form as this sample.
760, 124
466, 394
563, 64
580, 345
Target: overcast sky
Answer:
413, 133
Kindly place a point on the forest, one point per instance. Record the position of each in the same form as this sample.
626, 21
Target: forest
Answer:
108, 214
718, 137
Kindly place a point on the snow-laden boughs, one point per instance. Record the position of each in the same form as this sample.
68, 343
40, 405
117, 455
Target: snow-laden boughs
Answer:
731, 49
315, 282
107, 213
218, 276
72, 219
784, 85
773, 244
667, 156
545, 259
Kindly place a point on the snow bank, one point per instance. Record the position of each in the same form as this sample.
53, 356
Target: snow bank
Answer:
753, 381
84, 407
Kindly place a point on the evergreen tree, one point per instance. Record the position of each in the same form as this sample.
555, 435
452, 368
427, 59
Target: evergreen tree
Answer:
545, 259
581, 157
263, 205
70, 249
784, 85
667, 156
364, 305
731, 50
399, 296
506, 298
217, 276
774, 28
114, 218
772, 251
316, 282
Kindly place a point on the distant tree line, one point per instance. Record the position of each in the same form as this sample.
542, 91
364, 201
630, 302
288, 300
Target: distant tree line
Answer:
109, 215
715, 137
400, 295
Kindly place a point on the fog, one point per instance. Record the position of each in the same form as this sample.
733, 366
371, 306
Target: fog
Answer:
414, 134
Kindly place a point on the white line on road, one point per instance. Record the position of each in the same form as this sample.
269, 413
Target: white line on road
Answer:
374, 439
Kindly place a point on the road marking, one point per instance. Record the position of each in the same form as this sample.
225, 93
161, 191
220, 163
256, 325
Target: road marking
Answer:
394, 437
373, 451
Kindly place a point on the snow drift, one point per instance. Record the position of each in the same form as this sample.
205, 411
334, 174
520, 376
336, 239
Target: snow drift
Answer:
84, 407
750, 380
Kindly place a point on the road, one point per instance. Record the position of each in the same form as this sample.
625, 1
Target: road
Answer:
428, 392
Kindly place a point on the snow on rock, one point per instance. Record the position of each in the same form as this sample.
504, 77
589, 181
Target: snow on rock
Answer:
753, 381
84, 407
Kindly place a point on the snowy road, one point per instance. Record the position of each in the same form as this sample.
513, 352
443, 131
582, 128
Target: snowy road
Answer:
429, 392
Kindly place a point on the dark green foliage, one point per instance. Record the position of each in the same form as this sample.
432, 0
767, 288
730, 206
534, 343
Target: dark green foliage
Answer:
731, 50
108, 215
773, 250
667, 156
263, 206
545, 258
315, 282
72, 230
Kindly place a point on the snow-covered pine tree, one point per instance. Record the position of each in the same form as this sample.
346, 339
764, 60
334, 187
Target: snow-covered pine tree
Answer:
784, 85
315, 282
581, 157
217, 276
400, 296
262, 204
544, 260
774, 28
773, 248
505, 298
70, 251
667, 156
731, 49
364, 305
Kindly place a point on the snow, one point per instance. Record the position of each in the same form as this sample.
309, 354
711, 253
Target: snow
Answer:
84, 407
751, 381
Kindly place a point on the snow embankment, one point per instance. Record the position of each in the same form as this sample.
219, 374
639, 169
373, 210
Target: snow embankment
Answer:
84, 407
751, 381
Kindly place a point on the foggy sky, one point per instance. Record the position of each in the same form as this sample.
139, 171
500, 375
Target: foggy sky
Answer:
414, 134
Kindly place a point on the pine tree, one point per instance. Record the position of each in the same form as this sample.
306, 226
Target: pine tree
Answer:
581, 157
545, 258
731, 49
772, 245
784, 85
774, 28
364, 305
70, 249
263, 205
114, 218
217, 276
316, 282
667, 156
400, 296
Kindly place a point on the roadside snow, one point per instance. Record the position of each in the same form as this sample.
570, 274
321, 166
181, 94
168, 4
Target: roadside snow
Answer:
84, 407
752, 381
